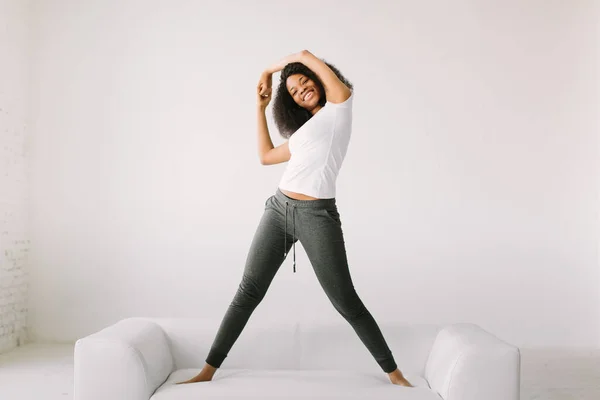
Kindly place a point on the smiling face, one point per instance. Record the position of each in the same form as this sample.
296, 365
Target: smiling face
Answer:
303, 90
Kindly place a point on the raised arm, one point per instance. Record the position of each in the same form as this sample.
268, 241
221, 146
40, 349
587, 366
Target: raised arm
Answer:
267, 153
335, 90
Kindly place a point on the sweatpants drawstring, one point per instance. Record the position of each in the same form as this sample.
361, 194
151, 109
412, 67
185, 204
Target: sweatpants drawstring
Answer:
293, 235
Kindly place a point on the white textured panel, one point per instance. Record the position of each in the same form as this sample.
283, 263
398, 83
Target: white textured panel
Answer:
14, 109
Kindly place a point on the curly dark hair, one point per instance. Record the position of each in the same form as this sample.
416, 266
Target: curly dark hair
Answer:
288, 115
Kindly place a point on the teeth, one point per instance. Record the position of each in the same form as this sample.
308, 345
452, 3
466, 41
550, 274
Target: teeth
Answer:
307, 94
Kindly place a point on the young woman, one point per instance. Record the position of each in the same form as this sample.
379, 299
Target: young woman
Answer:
313, 110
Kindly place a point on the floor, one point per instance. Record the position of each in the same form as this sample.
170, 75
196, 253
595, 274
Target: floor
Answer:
45, 372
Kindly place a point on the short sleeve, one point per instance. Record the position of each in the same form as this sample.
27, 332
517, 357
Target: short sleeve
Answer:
347, 103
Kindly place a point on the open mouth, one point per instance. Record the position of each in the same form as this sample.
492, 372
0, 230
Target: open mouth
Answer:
308, 95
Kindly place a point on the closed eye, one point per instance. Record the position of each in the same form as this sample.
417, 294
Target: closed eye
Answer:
300, 82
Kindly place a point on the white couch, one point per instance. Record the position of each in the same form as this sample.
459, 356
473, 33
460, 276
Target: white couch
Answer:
143, 358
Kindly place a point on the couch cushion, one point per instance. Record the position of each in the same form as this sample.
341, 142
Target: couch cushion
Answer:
295, 384
299, 345
336, 346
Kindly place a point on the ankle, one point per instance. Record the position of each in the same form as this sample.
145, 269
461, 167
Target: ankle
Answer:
397, 374
209, 369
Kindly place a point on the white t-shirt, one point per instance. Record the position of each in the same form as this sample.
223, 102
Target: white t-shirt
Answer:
318, 150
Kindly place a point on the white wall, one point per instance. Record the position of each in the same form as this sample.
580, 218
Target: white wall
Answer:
14, 130
469, 192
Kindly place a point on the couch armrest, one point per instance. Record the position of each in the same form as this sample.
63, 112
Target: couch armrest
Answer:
125, 361
469, 363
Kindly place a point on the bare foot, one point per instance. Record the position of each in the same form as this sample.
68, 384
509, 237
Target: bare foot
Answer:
397, 378
205, 375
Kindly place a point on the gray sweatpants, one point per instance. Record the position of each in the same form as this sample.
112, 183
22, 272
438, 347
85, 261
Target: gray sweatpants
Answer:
317, 224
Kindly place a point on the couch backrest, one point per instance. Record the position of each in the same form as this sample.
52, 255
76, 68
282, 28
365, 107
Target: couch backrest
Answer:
297, 345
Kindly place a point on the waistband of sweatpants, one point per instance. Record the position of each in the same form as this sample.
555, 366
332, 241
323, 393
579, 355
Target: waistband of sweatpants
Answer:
320, 203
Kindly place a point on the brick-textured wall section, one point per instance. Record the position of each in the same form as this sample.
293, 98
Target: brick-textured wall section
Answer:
14, 114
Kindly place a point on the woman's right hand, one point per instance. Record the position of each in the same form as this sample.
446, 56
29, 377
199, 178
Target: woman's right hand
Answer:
264, 89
